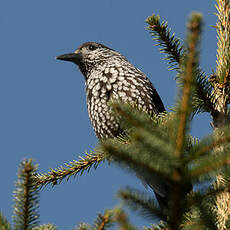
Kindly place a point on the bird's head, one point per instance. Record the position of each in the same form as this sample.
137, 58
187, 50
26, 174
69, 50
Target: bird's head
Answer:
89, 55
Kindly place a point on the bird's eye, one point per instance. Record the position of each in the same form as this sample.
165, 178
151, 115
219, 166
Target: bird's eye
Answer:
92, 47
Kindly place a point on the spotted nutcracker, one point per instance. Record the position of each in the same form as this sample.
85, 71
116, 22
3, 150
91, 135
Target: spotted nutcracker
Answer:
109, 75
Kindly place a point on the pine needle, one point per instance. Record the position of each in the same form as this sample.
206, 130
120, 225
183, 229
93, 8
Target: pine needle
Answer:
71, 168
26, 197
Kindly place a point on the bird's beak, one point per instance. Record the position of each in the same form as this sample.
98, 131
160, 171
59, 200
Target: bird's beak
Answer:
75, 57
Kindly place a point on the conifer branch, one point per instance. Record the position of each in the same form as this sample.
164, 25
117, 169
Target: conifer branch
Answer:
104, 221
107, 220
175, 55
220, 98
162, 225
134, 119
137, 163
72, 168
4, 223
123, 221
206, 216
147, 133
208, 164
45, 227
139, 201
189, 68
202, 95
26, 197
221, 79
210, 147
170, 44
83, 226
223, 44
205, 148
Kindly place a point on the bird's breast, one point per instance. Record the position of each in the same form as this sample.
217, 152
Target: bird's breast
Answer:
117, 84
98, 95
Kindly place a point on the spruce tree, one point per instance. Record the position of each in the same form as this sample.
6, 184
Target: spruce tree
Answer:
160, 145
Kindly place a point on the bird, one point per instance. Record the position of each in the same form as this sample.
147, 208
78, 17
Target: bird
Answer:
109, 75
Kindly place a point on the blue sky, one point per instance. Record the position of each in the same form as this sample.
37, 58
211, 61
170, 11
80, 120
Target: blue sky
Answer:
43, 110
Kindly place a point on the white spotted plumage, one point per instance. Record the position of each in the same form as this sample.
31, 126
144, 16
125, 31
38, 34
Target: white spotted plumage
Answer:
111, 82
109, 75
